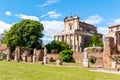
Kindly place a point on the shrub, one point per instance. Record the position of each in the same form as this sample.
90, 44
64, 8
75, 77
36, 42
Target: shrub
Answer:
92, 59
66, 55
3, 55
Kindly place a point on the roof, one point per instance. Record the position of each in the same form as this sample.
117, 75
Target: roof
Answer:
114, 25
87, 27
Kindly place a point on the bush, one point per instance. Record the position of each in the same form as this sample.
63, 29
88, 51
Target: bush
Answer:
66, 55
92, 59
3, 55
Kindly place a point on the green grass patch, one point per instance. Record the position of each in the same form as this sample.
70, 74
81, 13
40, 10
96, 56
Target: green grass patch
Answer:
28, 71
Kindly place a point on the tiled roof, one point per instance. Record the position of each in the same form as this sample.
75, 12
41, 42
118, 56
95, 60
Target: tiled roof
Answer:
87, 27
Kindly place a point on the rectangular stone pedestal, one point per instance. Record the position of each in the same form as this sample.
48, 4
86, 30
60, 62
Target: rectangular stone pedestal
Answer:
85, 63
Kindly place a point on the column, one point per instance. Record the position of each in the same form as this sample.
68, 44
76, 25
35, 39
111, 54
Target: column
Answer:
61, 38
77, 43
8, 55
69, 39
34, 55
45, 60
16, 54
85, 58
65, 38
73, 42
80, 43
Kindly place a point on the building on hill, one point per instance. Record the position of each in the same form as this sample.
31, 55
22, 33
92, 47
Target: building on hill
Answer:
76, 33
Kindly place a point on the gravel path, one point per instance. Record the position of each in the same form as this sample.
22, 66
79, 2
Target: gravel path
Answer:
106, 71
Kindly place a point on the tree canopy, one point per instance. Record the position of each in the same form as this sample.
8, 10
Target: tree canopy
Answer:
58, 45
96, 41
27, 33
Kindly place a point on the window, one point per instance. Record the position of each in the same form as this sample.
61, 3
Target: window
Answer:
111, 30
117, 28
70, 26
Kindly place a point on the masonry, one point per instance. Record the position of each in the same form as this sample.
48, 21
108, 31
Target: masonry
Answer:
76, 33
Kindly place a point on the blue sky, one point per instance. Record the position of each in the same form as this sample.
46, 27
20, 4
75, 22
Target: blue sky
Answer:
101, 13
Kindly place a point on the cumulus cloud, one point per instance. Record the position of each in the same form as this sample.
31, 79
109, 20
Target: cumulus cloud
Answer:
52, 14
22, 16
4, 26
96, 19
48, 2
8, 13
51, 28
116, 21
102, 30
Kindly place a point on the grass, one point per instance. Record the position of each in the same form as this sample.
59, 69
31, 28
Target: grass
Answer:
28, 71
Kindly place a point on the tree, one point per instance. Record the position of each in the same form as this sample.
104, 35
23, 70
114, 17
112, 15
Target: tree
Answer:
58, 45
96, 41
27, 33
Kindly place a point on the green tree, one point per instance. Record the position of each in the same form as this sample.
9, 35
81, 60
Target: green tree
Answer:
58, 45
27, 33
95, 40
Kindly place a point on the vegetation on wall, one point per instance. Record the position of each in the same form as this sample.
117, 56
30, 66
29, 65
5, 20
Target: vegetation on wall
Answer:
26, 33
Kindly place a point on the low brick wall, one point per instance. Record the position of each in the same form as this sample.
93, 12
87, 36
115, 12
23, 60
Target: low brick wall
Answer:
39, 55
54, 56
77, 57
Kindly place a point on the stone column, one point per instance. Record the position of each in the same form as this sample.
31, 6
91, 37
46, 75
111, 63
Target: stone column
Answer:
16, 54
69, 39
45, 56
113, 65
19, 53
85, 59
34, 56
77, 43
61, 38
73, 42
58, 38
8, 55
66, 38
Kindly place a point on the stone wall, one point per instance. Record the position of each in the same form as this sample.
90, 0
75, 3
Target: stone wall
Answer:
39, 55
53, 56
4, 48
108, 46
78, 57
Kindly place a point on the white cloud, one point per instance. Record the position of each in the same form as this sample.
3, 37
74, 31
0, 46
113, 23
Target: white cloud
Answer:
22, 16
102, 30
52, 14
48, 2
96, 19
116, 21
4, 26
8, 13
51, 28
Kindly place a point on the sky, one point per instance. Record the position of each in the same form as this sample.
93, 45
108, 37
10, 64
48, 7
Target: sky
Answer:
51, 13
